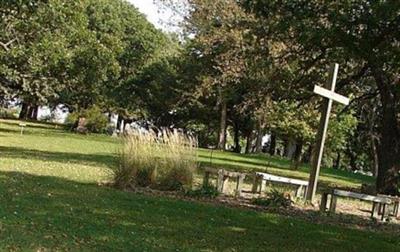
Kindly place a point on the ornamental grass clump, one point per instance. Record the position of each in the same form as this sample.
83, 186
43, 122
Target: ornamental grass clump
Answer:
164, 160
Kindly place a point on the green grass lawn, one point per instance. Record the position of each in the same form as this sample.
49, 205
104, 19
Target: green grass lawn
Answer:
50, 200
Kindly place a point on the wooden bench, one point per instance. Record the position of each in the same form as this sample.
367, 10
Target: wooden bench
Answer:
261, 178
376, 200
222, 178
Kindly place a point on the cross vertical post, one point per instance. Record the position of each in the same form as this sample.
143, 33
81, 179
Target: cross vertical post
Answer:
329, 94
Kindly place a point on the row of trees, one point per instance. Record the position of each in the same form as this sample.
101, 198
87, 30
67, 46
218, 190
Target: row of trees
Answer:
256, 61
242, 69
75, 53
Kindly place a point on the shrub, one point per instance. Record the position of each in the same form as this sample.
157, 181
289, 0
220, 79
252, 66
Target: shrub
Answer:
72, 120
275, 198
203, 192
96, 121
165, 161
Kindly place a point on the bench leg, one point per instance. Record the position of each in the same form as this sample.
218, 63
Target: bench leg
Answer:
396, 209
385, 212
305, 192
298, 191
324, 201
206, 179
239, 186
256, 184
332, 207
220, 181
263, 185
380, 208
375, 210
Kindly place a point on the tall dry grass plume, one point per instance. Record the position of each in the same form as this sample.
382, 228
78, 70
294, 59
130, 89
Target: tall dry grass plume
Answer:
164, 160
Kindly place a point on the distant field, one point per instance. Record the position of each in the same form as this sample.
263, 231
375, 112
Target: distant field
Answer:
50, 200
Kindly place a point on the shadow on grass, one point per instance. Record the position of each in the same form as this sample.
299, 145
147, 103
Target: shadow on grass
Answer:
33, 124
51, 131
9, 131
48, 213
62, 157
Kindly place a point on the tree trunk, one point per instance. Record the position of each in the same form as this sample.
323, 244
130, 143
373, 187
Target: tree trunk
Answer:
336, 165
260, 134
285, 147
30, 111
297, 155
307, 155
34, 114
120, 124
290, 148
389, 149
23, 114
353, 163
249, 141
313, 153
236, 137
374, 154
222, 129
272, 145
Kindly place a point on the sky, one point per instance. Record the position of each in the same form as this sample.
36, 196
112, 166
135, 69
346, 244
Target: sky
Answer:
154, 14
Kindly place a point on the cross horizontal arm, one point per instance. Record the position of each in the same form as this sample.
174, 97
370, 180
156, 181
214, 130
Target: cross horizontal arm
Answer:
331, 95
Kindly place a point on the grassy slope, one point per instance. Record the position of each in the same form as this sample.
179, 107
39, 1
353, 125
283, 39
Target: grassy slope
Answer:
59, 205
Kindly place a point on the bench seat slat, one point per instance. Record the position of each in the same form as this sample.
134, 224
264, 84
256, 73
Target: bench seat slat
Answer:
270, 177
377, 199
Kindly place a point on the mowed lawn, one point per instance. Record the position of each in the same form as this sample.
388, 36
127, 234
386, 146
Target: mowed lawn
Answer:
51, 198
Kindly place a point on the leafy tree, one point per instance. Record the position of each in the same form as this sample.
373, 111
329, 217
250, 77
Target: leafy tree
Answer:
361, 36
219, 30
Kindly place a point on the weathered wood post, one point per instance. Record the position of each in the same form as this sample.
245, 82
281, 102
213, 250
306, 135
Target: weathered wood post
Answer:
220, 181
329, 94
22, 125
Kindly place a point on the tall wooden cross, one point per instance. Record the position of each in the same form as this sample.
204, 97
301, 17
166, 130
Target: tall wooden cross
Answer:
329, 94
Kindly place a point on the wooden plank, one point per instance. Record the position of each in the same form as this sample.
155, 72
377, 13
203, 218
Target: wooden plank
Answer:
377, 199
274, 178
331, 95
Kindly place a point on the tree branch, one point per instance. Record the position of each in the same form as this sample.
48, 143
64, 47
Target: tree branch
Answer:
6, 45
361, 97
